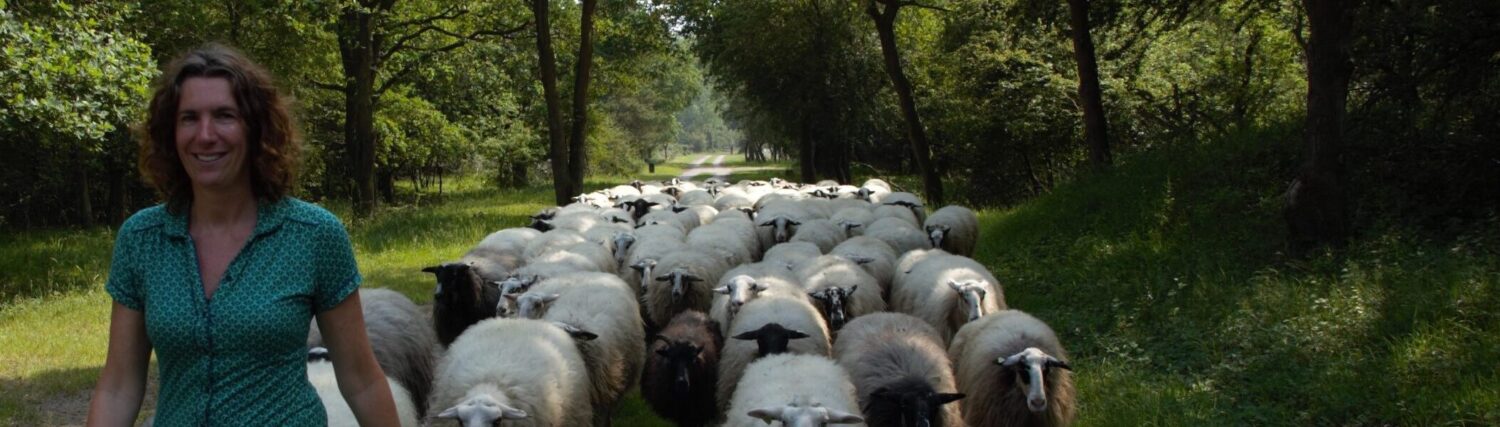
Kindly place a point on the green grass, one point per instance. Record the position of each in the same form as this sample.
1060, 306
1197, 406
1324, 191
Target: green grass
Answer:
1165, 279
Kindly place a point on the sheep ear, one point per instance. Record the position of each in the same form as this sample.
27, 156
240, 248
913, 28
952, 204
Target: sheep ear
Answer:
512, 297
576, 332
756, 286
678, 209
433, 269
767, 224
953, 284
881, 393
449, 413
691, 278
815, 295
722, 290
747, 336
852, 288
840, 417
1009, 361
766, 414
794, 222
551, 297
945, 398
795, 334
1052, 362
664, 278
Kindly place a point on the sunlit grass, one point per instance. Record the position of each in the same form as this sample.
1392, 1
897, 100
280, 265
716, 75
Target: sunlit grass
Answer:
1164, 278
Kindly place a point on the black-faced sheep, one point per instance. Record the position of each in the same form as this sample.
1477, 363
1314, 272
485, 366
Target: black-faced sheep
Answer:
797, 390
402, 342
789, 314
461, 299
841, 289
947, 291
954, 229
900, 371
603, 305
682, 370
513, 369
1014, 372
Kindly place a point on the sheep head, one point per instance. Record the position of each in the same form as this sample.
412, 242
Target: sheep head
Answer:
622, 241
680, 357
481, 410
457, 283
973, 293
801, 413
849, 227
782, 226
936, 233
644, 268
910, 400
532, 305
834, 304
1031, 366
680, 278
771, 338
574, 331
740, 289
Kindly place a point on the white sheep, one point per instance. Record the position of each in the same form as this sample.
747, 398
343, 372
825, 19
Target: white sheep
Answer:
947, 291
900, 370
792, 255
797, 390
401, 339
821, 232
697, 197
769, 325
699, 214
875, 256
551, 240
901, 235
644, 255
583, 256
1014, 372
906, 200
668, 218
729, 242
513, 369
682, 280
320, 374
742, 284
853, 221
604, 305
954, 229
898, 212
840, 289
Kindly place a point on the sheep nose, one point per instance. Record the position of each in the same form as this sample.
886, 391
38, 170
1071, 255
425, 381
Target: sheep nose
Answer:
1037, 405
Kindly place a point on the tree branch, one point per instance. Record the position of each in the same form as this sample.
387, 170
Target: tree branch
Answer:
923, 6
325, 86
441, 16
427, 54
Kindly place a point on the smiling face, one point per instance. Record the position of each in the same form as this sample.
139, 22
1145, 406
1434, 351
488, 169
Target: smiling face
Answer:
211, 136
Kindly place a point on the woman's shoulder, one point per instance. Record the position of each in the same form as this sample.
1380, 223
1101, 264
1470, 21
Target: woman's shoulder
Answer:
147, 218
304, 212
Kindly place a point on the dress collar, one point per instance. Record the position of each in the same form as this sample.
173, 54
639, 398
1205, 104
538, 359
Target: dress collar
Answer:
268, 218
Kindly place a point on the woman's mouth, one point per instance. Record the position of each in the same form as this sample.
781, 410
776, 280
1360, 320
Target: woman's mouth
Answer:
208, 157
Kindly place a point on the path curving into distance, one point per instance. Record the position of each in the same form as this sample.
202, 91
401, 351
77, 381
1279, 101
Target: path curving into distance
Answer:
698, 169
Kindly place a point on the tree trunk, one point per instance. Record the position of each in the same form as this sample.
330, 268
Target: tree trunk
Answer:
387, 186
562, 188
577, 161
807, 154
357, 50
86, 206
1317, 209
1095, 125
885, 26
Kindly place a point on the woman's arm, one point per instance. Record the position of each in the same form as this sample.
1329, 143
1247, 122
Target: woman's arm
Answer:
122, 383
360, 379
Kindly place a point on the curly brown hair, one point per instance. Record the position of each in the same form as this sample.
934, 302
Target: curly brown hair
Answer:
275, 147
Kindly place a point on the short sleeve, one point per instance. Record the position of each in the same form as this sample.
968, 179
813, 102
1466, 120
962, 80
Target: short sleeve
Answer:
124, 283
337, 273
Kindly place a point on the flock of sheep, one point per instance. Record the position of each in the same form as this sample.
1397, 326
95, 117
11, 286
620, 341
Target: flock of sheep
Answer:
729, 304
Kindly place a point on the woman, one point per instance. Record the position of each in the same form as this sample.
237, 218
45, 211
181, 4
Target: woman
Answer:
222, 280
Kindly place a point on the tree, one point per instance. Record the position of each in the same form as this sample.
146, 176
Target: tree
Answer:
369, 37
1318, 209
884, 13
576, 158
562, 184
1095, 125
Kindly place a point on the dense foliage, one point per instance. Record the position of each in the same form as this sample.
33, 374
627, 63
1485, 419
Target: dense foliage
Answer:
456, 91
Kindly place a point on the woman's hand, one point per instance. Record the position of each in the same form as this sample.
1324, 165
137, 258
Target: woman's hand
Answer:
122, 383
360, 378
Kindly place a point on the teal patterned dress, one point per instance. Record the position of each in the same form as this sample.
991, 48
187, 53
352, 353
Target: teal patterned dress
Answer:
240, 357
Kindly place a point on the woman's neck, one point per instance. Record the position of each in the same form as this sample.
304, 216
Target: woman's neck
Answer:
219, 209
